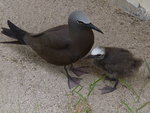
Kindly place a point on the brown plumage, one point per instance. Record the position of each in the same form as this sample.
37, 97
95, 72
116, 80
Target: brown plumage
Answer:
117, 62
62, 45
59, 47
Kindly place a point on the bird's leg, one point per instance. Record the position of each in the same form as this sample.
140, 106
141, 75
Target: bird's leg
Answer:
108, 89
72, 81
110, 79
78, 71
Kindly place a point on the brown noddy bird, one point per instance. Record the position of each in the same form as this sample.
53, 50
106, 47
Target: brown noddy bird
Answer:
62, 45
117, 62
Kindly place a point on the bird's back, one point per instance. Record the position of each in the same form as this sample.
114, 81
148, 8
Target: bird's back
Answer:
58, 47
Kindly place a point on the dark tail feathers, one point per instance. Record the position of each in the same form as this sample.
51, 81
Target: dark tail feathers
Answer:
8, 32
138, 63
14, 32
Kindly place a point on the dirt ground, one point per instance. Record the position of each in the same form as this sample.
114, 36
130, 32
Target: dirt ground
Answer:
30, 85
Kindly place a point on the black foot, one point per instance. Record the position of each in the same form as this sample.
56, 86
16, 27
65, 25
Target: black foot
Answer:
73, 82
107, 89
79, 70
110, 79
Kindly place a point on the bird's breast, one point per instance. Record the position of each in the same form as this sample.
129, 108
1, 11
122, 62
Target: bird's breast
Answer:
82, 43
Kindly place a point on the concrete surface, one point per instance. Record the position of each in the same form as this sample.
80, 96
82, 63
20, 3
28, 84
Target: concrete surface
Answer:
144, 3
137, 8
144, 6
29, 85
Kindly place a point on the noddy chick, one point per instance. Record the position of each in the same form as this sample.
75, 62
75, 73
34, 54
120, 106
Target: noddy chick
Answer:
117, 62
62, 45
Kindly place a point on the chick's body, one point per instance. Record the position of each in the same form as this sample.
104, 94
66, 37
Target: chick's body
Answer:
118, 62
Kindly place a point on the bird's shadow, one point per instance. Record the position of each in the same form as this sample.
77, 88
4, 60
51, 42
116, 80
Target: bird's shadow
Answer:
30, 56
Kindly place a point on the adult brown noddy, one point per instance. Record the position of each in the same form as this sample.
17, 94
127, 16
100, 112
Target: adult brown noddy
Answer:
62, 45
117, 62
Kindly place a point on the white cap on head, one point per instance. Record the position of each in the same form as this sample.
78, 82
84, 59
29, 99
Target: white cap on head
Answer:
98, 51
78, 16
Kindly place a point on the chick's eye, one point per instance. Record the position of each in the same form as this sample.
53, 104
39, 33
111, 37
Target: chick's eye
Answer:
99, 55
79, 22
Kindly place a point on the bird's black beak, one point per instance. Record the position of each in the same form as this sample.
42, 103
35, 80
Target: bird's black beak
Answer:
89, 57
90, 25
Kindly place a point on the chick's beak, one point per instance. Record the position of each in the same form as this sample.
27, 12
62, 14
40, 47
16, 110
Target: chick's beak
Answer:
89, 57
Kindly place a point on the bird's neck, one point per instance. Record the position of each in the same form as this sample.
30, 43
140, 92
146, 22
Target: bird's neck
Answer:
80, 33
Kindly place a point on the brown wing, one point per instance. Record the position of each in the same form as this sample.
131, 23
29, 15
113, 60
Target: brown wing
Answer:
55, 38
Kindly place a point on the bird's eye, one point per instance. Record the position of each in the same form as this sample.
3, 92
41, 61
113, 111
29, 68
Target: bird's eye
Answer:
79, 22
98, 55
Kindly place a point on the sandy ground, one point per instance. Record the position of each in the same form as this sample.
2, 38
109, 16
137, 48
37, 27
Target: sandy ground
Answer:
30, 85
